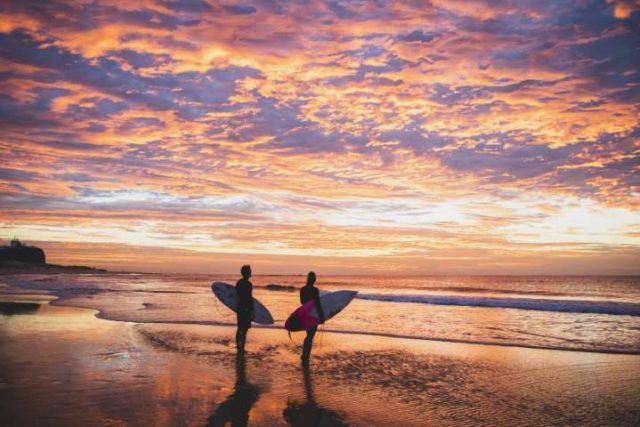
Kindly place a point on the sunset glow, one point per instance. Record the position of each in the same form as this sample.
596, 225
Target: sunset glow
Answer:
442, 137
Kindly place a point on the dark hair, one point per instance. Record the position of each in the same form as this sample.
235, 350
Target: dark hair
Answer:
311, 278
245, 271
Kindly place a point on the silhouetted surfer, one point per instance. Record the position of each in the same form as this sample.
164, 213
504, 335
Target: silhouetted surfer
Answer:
244, 290
310, 293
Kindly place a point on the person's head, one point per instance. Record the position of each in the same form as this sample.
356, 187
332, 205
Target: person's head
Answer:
246, 271
311, 278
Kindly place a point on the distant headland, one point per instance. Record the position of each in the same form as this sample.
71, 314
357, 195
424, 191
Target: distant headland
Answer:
20, 258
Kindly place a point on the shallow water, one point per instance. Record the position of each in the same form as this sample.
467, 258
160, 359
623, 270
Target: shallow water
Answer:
573, 313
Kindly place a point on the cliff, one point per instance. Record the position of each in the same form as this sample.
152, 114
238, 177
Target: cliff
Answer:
18, 251
18, 258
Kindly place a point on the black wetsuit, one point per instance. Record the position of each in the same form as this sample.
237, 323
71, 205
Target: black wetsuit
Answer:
309, 293
244, 289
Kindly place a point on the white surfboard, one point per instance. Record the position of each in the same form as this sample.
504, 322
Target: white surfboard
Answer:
306, 316
226, 293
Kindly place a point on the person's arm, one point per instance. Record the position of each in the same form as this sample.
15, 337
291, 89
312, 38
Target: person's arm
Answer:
316, 298
251, 307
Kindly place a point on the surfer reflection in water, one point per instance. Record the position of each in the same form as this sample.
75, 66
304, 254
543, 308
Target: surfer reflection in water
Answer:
235, 409
310, 293
244, 290
310, 413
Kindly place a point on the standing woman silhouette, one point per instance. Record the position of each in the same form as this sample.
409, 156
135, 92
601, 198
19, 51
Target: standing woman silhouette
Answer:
310, 293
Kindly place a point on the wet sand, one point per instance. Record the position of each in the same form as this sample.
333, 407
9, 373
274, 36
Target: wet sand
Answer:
64, 366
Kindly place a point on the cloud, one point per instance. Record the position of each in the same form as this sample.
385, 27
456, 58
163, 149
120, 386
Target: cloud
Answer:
385, 129
17, 175
186, 5
140, 60
416, 36
31, 114
415, 138
238, 9
86, 16
96, 108
141, 123
76, 177
510, 164
178, 92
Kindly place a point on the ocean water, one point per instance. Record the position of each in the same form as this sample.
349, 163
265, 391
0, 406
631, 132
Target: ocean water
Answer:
570, 313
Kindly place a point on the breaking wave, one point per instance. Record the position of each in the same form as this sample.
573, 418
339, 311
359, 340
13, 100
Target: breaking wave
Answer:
557, 305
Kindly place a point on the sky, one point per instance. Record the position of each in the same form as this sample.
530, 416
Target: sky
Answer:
346, 137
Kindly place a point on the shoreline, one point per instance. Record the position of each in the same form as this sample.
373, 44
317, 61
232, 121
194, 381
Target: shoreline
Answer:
64, 301
100, 314
16, 269
363, 333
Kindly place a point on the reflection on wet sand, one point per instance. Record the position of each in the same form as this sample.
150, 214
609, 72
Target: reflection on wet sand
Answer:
310, 413
236, 407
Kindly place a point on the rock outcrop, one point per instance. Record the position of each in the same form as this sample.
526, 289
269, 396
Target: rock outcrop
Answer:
18, 251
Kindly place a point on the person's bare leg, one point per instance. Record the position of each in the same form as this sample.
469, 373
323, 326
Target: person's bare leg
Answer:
308, 343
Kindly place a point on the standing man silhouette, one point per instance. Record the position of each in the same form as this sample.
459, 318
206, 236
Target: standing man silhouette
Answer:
310, 293
244, 290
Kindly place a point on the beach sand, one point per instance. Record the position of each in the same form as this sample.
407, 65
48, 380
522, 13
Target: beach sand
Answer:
64, 366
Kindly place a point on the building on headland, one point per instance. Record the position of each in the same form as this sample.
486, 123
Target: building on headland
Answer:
18, 251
